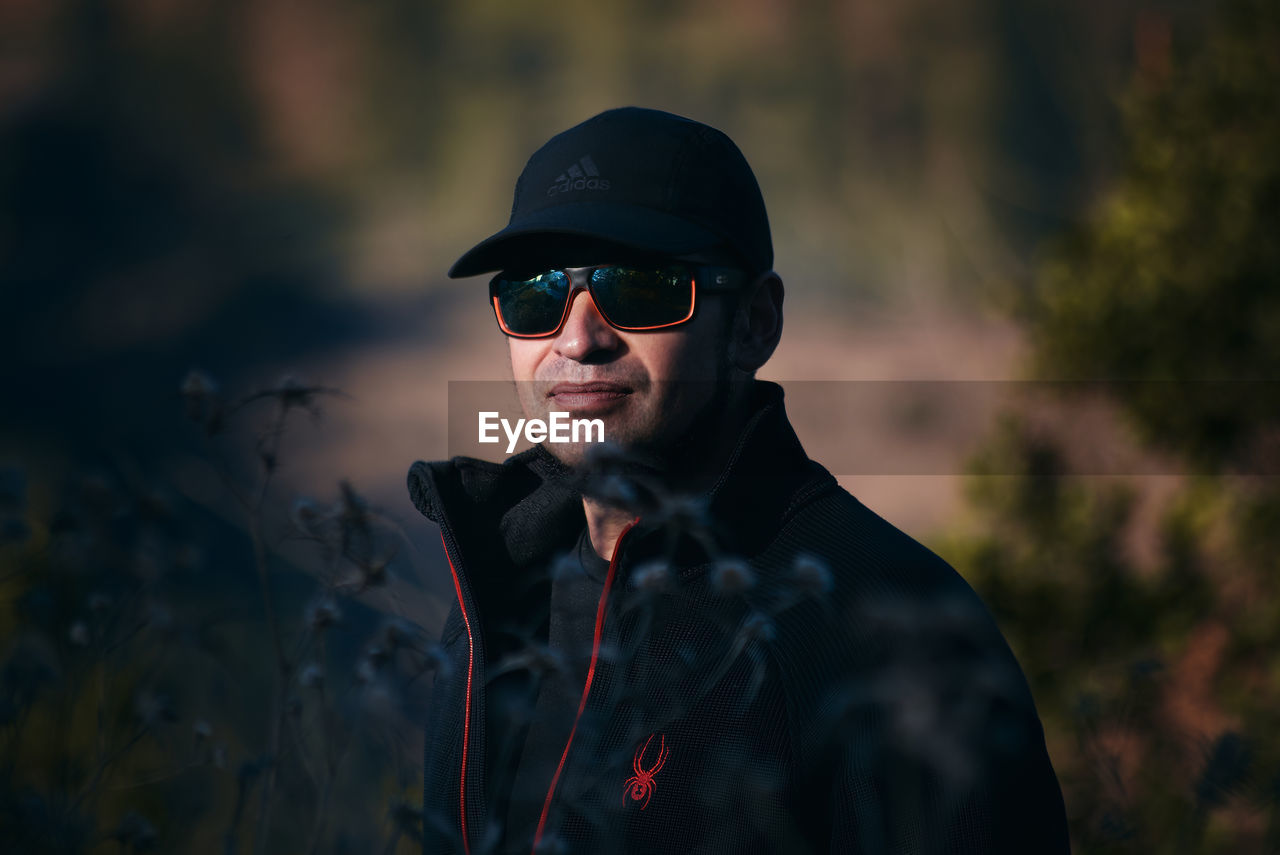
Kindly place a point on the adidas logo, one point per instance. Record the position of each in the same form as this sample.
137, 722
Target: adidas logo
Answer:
583, 175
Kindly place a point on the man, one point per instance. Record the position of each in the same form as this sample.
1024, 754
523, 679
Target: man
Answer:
692, 639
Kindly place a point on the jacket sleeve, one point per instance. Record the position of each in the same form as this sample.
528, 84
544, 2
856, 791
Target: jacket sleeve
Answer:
964, 773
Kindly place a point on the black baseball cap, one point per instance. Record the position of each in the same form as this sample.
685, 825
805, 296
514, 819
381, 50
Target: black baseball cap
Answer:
636, 179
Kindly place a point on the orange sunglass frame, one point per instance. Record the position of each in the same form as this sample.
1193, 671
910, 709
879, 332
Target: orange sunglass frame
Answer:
724, 279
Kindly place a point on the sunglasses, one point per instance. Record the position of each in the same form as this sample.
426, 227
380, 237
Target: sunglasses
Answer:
630, 298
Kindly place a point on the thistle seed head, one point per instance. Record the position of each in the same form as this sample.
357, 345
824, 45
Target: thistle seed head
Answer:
812, 575
652, 577
732, 576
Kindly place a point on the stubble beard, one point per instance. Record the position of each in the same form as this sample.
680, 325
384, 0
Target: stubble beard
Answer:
681, 459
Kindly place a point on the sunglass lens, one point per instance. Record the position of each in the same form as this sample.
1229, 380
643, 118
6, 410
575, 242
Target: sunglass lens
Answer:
534, 305
637, 298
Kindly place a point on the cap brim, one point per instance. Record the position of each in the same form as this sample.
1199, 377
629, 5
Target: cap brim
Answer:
628, 226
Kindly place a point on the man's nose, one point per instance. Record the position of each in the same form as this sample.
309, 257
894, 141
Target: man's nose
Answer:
585, 330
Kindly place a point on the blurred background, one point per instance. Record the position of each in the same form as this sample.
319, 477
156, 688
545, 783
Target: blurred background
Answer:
225, 334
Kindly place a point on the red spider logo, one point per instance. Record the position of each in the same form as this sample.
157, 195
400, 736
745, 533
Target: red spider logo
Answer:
640, 785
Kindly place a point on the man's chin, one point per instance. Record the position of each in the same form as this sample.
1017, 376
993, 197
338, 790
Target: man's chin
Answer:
622, 428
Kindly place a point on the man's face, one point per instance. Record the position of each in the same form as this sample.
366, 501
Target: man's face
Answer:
647, 387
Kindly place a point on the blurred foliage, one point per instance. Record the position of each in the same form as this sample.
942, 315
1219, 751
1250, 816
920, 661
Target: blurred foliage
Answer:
174, 682
1158, 677
1175, 278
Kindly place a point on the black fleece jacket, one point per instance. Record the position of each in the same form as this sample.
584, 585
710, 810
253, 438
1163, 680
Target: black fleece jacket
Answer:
777, 669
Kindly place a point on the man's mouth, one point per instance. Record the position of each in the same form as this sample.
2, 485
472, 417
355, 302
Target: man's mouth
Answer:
587, 396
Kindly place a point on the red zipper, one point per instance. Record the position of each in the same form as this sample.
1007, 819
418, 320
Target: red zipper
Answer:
586, 689
466, 716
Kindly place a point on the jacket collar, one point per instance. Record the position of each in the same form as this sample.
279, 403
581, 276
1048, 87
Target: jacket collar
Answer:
528, 507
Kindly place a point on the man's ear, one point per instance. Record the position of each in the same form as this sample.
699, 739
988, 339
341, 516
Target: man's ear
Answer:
757, 325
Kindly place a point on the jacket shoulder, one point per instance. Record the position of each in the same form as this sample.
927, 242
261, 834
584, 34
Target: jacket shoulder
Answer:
876, 606
899, 681
866, 555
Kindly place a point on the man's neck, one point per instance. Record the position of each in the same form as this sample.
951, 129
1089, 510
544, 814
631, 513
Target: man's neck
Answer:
606, 522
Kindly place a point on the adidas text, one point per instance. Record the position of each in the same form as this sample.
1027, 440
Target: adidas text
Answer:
579, 184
